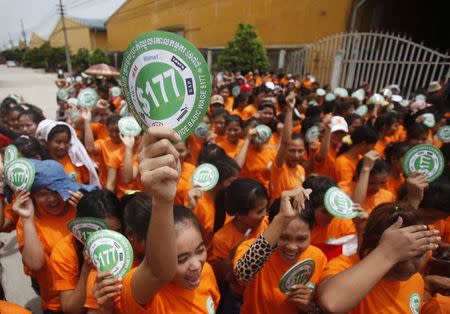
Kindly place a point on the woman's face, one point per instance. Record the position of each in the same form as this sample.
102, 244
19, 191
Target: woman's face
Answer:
295, 152
294, 240
59, 145
103, 114
392, 129
336, 138
267, 115
219, 123
355, 124
114, 133
404, 270
50, 202
225, 93
422, 139
322, 217
13, 120
27, 126
191, 254
255, 215
376, 182
234, 132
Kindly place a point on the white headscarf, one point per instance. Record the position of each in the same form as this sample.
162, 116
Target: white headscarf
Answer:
77, 152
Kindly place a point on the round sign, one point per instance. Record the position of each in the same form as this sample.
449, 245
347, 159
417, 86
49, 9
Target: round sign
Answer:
11, 153
420, 97
62, 94
166, 81
116, 91
202, 130
236, 90
128, 126
299, 274
341, 92
312, 134
338, 204
73, 101
205, 176
377, 99
362, 110
426, 159
429, 120
359, 94
19, 174
88, 97
443, 133
82, 227
263, 134
330, 97
110, 251
320, 92
404, 103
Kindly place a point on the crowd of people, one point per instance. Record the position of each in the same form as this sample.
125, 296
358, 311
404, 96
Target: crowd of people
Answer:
225, 250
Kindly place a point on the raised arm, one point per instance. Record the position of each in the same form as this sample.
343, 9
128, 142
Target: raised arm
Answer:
287, 130
160, 172
127, 175
88, 135
242, 155
360, 192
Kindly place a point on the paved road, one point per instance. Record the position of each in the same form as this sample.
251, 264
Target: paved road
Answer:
37, 88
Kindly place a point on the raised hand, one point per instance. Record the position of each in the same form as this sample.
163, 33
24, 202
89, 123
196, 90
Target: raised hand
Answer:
369, 159
106, 288
293, 202
194, 196
127, 140
301, 296
23, 205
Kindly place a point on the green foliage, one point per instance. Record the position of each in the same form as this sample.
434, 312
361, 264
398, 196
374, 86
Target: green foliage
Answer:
80, 61
98, 56
14, 54
246, 52
44, 57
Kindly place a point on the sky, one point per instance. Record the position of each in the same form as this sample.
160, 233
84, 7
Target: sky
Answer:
41, 16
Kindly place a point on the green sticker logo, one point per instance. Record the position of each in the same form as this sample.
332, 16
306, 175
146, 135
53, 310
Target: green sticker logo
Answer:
19, 174
83, 227
166, 81
338, 204
11, 153
62, 94
426, 159
202, 130
88, 97
116, 91
210, 308
263, 134
129, 126
300, 273
205, 176
312, 134
414, 303
444, 133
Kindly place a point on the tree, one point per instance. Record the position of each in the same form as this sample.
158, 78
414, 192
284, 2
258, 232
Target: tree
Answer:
246, 52
80, 60
98, 56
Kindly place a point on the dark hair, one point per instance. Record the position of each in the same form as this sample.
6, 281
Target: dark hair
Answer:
210, 152
437, 196
386, 121
345, 104
381, 218
352, 117
267, 104
34, 115
379, 166
183, 214
7, 104
240, 196
112, 119
305, 216
137, 213
30, 147
416, 130
319, 186
362, 134
225, 86
240, 98
396, 150
59, 128
297, 136
313, 112
234, 118
221, 112
17, 108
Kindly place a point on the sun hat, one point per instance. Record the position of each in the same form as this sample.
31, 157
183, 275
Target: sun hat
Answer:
434, 86
217, 99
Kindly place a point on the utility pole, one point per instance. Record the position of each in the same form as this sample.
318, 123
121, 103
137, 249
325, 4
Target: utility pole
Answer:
23, 33
66, 42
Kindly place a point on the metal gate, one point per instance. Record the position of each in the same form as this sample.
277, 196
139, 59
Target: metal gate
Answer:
348, 59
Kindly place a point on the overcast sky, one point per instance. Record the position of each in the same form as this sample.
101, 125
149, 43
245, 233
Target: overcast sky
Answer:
41, 16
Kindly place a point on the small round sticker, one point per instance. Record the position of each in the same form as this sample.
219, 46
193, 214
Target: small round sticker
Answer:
429, 120
128, 126
62, 94
116, 91
205, 176
166, 81
426, 159
263, 134
19, 174
110, 251
338, 204
236, 90
82, 227
362, 110
299, 274
11, 153
312, 134
443, 133
202, 130
88, 97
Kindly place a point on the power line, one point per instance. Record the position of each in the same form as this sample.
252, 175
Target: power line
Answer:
66, 41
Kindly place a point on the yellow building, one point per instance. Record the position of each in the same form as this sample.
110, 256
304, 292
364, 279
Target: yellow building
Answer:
212, 23
81, 33
36, 41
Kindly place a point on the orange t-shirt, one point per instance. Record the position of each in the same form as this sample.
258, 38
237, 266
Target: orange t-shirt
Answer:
78, 174
240, 113
443, 226
262, 295
172, 299
50, 230
336, 229
371, 201
249, 111
381, 145
11, 215
439, 304
285, 178
64, 264
10, 308
195, 146
344, 168
229, 103
393, 184
257, 165
99, 130
274, 141
386, 296
184, 185
106, 148
326, 167
231, 149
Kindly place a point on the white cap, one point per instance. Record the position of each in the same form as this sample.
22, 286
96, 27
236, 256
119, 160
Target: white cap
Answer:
320, 92
270, 85
396, 98
338, 123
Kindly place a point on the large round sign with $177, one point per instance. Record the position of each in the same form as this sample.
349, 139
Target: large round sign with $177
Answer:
166, 82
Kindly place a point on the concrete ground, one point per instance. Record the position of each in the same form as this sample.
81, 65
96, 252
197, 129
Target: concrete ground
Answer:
37, 88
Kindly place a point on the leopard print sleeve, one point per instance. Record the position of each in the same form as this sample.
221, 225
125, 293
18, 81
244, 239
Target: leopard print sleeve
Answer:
253, 260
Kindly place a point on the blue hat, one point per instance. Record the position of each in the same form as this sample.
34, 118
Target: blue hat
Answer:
50, 174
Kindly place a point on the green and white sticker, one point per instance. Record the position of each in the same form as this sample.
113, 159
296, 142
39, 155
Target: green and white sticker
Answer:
110, 251
414, 303
312, 134
362, 110
429, 120
88, 98
443, 133
426, 159
166, 81
19, 174
116, 91
338, 204
205, 176
202, 130
299, 274
128, 126
83, 227
11, 153
236, 90
263, 134
62, 94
